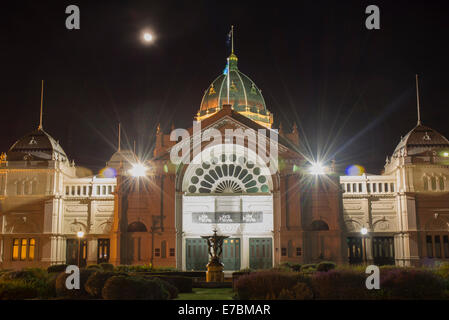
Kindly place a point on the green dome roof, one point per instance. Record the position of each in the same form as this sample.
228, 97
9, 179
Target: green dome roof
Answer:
244, 96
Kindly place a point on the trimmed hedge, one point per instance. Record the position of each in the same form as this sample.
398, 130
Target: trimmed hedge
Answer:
183, 284
96, 281
17, 290
107, 266
62, 291
339, 285
26, 284
410, 283
133, 288
325, 266
266, 284
57, 268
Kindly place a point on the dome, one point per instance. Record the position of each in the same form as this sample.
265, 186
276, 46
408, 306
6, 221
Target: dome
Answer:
244, 96
420, 139
37, 145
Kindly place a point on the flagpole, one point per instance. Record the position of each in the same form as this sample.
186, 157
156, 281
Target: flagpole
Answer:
232, 39
228, 80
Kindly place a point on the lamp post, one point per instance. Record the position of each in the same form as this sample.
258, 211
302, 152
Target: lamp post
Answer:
364, 232
79, 234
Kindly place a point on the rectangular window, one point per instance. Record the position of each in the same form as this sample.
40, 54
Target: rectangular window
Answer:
109, 189
386, 187
374, 187
172, 252
84, 190
15, 249
90, 190
67, 191
31, 249
429, 246
157, 252
446, 246
103, 250
23, 249
283, 252
391, 187
360, 187
368, 187
298, 251
437, 247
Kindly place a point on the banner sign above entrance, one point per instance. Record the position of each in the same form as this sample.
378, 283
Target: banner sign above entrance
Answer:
227, 217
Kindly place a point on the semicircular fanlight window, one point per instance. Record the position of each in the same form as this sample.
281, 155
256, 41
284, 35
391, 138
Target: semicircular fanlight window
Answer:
228, 174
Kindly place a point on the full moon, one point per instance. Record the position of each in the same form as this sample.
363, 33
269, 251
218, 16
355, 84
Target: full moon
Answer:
148, 37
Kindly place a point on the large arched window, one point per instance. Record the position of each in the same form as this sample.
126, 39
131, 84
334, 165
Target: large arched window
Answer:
137, 226
433, 182
441, 180
426, 183
319, 225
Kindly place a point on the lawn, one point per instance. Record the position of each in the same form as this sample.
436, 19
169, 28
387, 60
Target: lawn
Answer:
207, 294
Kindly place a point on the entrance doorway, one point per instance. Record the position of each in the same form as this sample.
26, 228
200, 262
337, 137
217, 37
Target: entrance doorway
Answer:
231, 254
355, 250
72, 252
383, 251
260, 253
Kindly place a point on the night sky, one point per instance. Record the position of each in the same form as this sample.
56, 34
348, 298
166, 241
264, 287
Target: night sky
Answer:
350, 90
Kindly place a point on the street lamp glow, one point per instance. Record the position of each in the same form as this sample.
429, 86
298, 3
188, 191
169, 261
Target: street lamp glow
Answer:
80, 234
138, 170
316, 168
446, 154
364, 231
148, 37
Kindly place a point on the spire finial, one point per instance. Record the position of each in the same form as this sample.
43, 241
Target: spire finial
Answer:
119, 136
42, 104
417, 101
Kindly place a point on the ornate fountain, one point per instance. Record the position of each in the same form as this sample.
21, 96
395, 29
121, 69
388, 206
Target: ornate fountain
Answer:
215, 267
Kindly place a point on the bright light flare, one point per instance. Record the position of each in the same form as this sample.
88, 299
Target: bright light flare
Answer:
138, 170
364, 231
317, 169
148, 37
80, 234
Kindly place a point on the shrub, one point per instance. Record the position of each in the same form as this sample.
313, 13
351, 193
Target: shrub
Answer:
265, 284
308, 268
183, 284
107, 266
62, 291
300, 291
339, 284
17, 290
410, 283
95, 267
27, 274
325, 266
96, 282
35, 278
57, 268
296, 267
133, 288
171, 289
